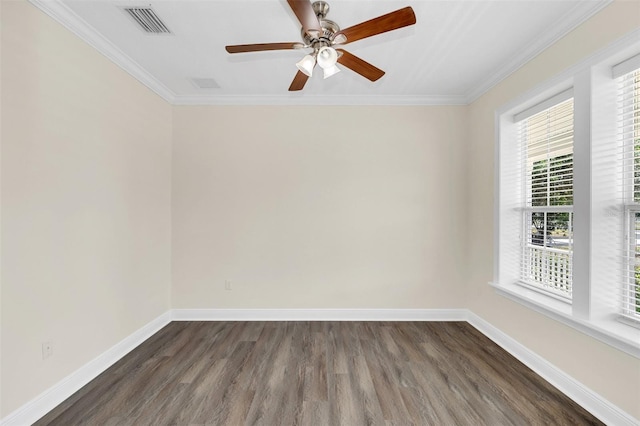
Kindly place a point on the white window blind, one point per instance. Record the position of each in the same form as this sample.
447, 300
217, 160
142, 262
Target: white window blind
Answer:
546, 142
628, 123
568, 198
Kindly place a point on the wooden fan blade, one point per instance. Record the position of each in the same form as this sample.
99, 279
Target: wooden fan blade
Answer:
389, 22
298, 82
305, 14
360, 66
242, 48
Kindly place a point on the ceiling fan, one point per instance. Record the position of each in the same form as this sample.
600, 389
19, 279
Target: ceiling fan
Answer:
325, 37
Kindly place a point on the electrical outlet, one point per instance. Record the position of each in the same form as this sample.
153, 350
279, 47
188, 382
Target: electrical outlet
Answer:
227, 285
47, 349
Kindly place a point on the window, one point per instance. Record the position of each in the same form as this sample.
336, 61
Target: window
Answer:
546, 139
567, 240
628, 121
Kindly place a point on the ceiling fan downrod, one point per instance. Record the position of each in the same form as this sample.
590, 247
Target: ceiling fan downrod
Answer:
320, 8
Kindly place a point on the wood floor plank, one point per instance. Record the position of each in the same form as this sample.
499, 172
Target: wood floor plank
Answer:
210, 405
363, 390
318, 373
206, 382
315, 413
315, 384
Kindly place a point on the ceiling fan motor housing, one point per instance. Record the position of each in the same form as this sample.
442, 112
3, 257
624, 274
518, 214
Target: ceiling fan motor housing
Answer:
329, 28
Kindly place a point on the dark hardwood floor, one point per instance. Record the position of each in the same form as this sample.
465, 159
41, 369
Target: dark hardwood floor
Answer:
318, 373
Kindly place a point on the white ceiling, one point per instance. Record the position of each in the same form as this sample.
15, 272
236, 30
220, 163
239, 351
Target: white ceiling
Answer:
456, 51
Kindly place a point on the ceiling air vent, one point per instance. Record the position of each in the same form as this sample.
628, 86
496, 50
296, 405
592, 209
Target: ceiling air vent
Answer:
148, 20
205, 83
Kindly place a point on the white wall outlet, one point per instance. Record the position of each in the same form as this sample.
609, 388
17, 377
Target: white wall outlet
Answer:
47, 349
227, 285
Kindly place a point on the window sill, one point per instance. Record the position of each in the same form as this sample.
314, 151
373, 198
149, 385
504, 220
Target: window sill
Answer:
612, 332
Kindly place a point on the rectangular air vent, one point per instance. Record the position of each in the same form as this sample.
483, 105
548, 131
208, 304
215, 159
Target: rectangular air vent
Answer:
148, 20
205, 83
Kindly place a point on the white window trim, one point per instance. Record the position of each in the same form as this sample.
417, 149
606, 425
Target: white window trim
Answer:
546, 104
626, 66
578, 314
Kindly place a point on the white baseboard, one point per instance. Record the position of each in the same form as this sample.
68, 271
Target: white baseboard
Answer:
585, 397
51, 398
590, 400
319, 315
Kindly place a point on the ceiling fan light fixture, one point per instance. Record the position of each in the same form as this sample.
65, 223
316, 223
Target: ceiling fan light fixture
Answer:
306, 64
320, 34
328, 72
327, 57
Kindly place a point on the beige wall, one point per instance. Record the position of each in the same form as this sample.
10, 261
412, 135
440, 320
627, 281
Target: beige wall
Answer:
611, 373
318, 207
394, 211
85, 203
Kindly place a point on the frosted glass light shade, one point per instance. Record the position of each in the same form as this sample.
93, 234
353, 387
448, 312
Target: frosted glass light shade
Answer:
306, 65
328, 72
327, 57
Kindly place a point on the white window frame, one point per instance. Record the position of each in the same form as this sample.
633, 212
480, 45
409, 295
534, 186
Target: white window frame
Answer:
587, 313
528, 210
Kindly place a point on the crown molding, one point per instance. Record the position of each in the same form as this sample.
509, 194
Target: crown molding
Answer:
57, 10
303, 99
74, 23
563, 26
